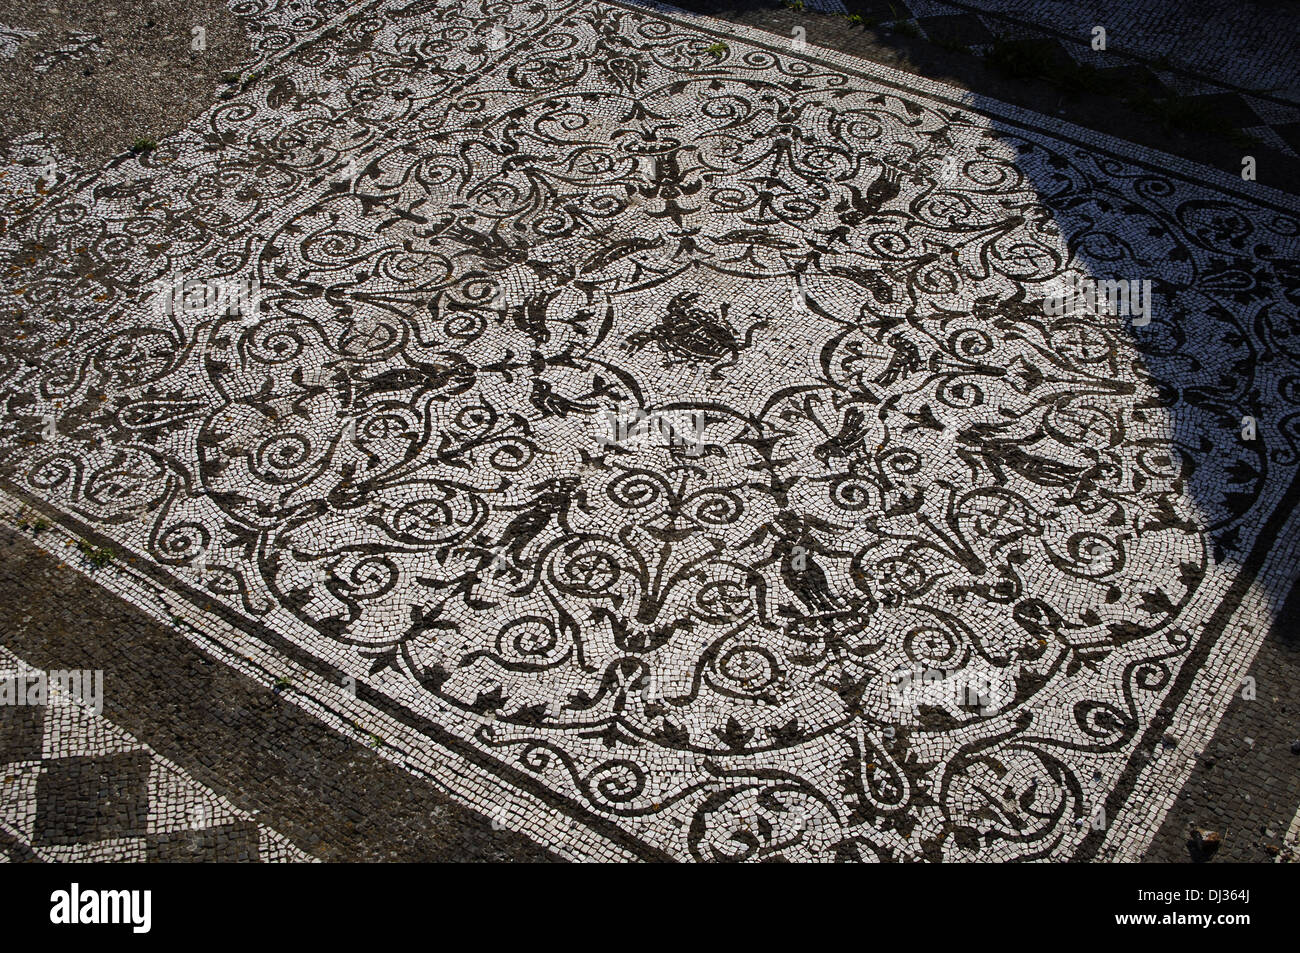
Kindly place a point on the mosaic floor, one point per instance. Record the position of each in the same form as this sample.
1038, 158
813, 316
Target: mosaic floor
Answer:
78, 788
663, 438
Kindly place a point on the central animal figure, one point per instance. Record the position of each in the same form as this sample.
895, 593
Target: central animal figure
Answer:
691, 334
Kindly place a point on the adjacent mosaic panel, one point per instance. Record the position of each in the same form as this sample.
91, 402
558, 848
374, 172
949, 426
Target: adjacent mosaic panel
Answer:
76, 788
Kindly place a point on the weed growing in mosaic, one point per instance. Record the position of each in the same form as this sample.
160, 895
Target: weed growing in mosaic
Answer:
96, 556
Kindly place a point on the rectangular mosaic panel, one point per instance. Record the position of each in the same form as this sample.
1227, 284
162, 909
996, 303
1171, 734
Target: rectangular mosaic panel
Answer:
672, 435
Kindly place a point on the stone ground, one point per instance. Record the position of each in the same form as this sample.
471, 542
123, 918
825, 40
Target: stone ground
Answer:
382, 568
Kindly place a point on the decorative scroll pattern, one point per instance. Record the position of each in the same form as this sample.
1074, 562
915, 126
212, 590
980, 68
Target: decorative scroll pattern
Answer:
480, 229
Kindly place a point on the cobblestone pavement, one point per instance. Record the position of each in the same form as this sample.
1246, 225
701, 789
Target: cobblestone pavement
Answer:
605, 431
84, 80
1207, 87
1208, 47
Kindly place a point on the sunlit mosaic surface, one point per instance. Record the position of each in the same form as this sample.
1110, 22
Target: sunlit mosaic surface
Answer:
670, 424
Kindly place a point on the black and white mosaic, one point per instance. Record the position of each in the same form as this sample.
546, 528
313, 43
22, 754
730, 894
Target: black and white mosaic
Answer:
74, 787
675, 425
11, 38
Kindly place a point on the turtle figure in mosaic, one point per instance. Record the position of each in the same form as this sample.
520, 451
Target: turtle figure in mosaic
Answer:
692, 334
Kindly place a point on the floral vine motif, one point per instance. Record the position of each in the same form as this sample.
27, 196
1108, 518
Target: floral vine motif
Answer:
470, 252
